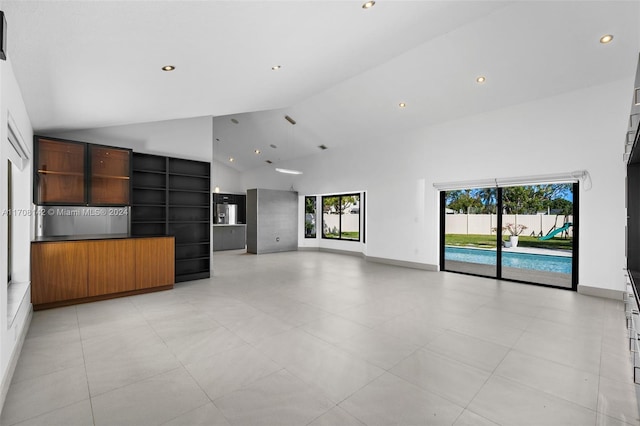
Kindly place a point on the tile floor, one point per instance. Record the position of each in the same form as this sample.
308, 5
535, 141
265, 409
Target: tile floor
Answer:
308, 338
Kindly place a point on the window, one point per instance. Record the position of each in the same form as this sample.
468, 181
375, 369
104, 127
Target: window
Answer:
310, 217
341, 217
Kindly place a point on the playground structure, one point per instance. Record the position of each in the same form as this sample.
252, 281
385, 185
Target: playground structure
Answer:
553, 232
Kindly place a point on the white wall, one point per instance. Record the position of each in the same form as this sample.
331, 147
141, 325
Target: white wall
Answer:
13, 326
578, 130
189, 138
226, 178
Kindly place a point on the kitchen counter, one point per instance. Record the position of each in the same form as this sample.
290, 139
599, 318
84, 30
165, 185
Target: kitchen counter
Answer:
48, 239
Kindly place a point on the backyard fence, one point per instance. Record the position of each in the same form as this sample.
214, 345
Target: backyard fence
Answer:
485, 224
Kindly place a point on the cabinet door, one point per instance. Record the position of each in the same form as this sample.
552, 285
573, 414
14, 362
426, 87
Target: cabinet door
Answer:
154, 262
111, 266
58, 271
110, 174
60, 173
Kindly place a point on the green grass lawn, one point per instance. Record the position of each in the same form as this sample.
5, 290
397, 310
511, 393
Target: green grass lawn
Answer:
347, 235
523, 241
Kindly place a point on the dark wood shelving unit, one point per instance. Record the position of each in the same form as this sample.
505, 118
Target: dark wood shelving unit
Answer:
172, 196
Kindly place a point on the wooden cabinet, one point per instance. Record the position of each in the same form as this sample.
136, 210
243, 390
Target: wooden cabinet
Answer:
77, 173
109, 178
70, 272
153, 254
112, 266
58, 272
60, 172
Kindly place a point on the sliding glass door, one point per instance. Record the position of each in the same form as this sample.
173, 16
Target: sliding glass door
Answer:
538, 229
470, 221
522, 233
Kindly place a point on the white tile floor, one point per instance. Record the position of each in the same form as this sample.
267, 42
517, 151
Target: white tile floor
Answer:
309, 338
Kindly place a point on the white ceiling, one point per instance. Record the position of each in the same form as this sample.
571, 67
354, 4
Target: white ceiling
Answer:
87, 64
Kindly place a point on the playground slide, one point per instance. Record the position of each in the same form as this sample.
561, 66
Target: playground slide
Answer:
557, 231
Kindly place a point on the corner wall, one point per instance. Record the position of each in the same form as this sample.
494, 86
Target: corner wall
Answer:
578, 130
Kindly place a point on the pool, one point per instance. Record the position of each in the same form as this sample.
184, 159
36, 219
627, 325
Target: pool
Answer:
539, 262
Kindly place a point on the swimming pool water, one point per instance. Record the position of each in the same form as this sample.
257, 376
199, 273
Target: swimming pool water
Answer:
539, 262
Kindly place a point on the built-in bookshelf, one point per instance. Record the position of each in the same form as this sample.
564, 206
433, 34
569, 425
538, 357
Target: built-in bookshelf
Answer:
171, 196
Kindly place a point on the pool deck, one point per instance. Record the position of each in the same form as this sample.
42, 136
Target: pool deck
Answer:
528, 275
533, 250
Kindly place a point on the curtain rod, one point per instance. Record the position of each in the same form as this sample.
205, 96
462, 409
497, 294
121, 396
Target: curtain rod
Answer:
513, 181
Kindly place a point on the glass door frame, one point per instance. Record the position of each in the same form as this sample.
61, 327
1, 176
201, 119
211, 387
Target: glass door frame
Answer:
575, 246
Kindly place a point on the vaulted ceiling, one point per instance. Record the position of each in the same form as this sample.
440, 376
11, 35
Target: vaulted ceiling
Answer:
344, 69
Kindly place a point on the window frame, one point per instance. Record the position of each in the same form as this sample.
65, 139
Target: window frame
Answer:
339, 237
315, 213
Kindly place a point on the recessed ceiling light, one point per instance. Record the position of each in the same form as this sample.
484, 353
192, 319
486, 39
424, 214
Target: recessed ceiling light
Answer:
234, 121
273, 146
607, 38
481, 79
369, 4
289, 172
231, 159
402, 105
276, 67
268, 161
322, 147
168, 68
257, 151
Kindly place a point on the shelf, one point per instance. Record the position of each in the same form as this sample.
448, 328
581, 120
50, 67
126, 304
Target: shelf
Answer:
188, 221
189, 175
198, 191
158, 183
193, 258
153, 188
53, 172
157, 172
110, 177
192, 276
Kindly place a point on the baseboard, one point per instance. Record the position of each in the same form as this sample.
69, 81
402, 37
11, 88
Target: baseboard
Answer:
601, 292
403, 263
392, 262
308, 248
13, 362
347, 252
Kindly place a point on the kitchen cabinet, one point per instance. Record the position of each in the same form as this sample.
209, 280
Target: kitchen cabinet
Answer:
153, 254
74, 173
109, 177
58, 272
79, 271
60, 172
111, 266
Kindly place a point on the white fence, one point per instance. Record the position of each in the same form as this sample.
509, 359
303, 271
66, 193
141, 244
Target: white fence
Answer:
350, 222
484, 224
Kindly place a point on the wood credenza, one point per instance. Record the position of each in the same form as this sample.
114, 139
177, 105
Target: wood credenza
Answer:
70, 272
